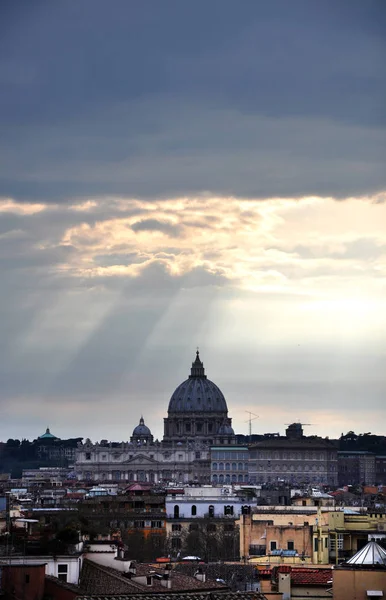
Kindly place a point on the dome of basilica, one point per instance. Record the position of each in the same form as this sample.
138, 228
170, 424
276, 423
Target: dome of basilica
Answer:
197, 394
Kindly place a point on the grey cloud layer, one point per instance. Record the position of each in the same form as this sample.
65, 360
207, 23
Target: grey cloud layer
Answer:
152, 100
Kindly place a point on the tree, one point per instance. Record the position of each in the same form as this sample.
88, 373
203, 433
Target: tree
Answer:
209, 539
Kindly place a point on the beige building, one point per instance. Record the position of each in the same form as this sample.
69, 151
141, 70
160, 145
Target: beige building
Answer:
363, 576
291, 532
310, 534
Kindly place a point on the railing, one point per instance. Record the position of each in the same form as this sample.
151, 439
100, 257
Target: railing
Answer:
221, 516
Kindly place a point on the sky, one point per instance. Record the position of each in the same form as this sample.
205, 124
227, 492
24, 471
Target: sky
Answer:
184, 174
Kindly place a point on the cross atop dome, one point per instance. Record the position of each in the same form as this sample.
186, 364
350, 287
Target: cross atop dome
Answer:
197, 369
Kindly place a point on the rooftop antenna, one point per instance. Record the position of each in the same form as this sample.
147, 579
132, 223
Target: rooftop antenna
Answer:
252, 417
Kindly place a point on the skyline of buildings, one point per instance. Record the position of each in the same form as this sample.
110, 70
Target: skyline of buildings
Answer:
253, 423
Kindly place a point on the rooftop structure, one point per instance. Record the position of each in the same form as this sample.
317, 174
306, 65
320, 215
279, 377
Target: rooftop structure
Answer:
371, 554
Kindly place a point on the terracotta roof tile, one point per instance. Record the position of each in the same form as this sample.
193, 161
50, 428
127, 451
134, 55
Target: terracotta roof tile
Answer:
311, 576
183, 596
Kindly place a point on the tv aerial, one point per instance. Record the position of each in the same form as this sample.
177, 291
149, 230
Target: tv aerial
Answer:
252, 417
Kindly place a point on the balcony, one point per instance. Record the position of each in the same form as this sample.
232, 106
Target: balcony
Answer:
221, 516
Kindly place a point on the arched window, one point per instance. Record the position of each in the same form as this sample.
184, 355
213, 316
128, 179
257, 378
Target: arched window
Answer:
227, 466
227, 478
211, 510
240, 466
240, 478
214, 466
215, 479
234, 478
234, 466
246, 478
221, 478
176, 511
221, 466
194, 510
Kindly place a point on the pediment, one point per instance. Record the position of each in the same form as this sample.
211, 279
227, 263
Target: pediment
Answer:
140, 459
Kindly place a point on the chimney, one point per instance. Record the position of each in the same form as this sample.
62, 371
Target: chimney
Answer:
284, 581
166, 581
200, 575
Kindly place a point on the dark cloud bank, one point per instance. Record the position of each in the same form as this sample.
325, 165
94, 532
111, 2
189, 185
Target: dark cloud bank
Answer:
167, 98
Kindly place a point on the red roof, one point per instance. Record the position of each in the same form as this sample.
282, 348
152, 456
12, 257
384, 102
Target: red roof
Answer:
310, 576
137, 487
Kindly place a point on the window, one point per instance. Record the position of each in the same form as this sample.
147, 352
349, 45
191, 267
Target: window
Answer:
62, 572
228, 510
176, 527
194, 510
290, 545
339, 540
88, 455
211, 510
139, 524
26, 579
193, 527
176, 511
198, 455
227, 467
180, 457
214, 466
156, 524
316, 544
176, 543
273, 545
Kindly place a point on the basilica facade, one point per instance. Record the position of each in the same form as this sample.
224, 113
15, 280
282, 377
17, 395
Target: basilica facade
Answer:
197, 419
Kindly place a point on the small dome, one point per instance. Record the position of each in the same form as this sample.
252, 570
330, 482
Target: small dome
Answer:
141, 430
197, 394
48, 435
226, 429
